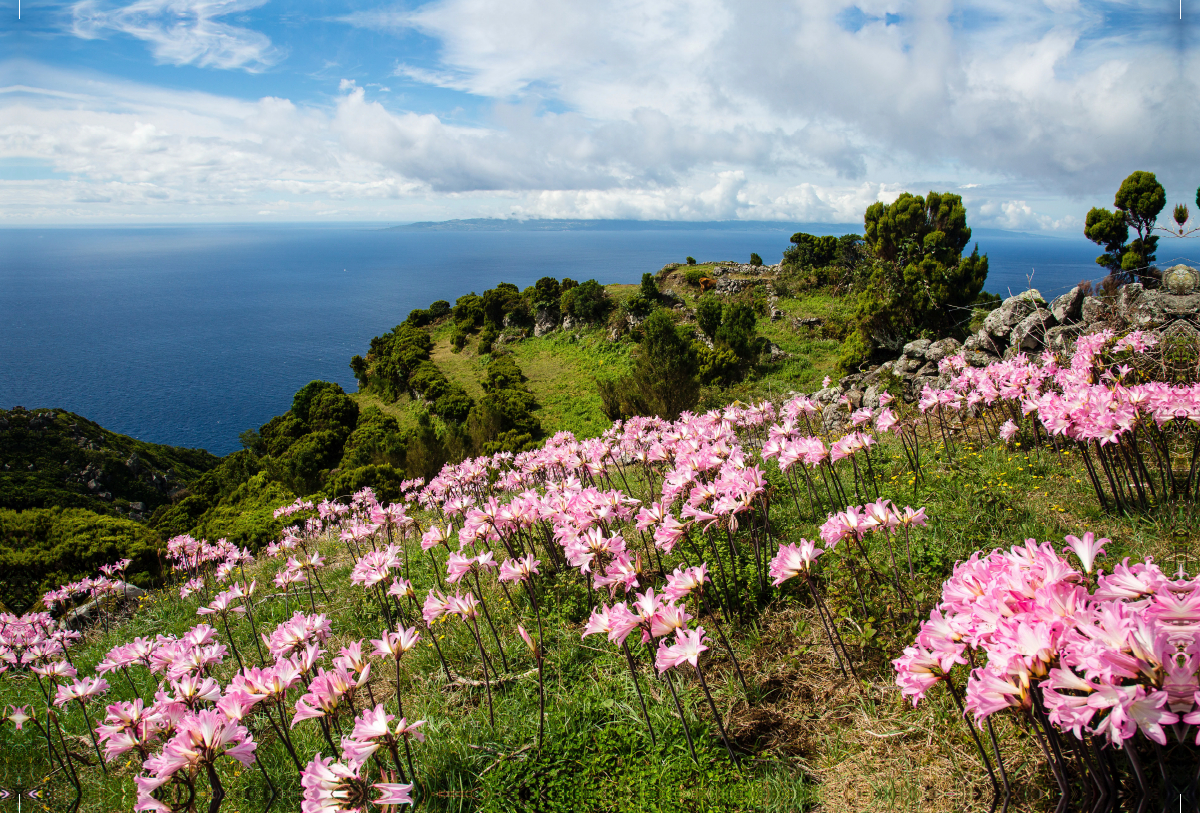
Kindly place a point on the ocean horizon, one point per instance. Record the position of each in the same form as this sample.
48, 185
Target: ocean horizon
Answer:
191, 334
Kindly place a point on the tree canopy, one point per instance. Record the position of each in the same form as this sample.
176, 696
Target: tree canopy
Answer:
1138, 203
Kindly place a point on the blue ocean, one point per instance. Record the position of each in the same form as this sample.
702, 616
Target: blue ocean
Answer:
189, 335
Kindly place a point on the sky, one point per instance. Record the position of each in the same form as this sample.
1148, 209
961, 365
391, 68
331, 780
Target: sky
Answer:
793, 110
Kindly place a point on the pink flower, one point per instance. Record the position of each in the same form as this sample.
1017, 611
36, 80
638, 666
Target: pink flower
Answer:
1087, 549
17, 715
80, 690
793, 559
512, 570
392, 793
1008, 431
687, 649
395, 644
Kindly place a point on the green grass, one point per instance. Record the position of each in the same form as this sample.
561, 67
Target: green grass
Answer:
562, 372
402, 409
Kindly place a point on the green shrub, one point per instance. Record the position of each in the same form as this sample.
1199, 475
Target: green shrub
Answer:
691, 260
377, 440
692, 276
719, 366
755, 260
383, 479
391, 359
486, 339
809, 250
664, 377
708, 314
43, 548
589, 301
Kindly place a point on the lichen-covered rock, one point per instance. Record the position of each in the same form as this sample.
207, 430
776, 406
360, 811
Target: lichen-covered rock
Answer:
941, 349
834, 417
1062, 338
982, 342
1000, 322
1094, 309
545, 321
1027, 336
916, 349
977, 358
1069, 306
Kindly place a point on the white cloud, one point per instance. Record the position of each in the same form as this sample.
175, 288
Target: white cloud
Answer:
1018, 215
180, 32
697, 109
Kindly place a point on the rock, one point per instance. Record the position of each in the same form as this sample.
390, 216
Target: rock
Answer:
827, 395
1000, 322
775, 353
1069, 306
941, 349
927, 370
137, 506
982, 342
977, 358
871, 396
1027, 336
916, 349
545, 322
1142, 309
1062, 338
908, 366
569, 322
834, 417
93, 485
1094, 309
776, 314
921, 382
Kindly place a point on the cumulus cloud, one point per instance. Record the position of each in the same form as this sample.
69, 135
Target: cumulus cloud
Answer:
694, 109
180, 32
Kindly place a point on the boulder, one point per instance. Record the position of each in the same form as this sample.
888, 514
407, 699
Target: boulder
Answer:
1000, 322
774, 352
835, 418
982, 342
1062, 338
545, 321
941, 349
1026, 337
907, 366
977, 358
827, 395
1094, 309
929, 369
1142, 309
916, 349
569, 322
1069, 306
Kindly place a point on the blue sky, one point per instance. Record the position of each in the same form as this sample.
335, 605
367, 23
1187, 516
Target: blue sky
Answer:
261, 110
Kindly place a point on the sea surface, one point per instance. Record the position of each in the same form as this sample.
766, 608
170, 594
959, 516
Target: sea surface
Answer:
189, 335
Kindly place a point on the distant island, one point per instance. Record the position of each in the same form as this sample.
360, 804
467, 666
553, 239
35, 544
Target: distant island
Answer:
538, 224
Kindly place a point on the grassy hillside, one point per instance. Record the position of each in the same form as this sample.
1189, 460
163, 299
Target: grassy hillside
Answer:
808, 738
